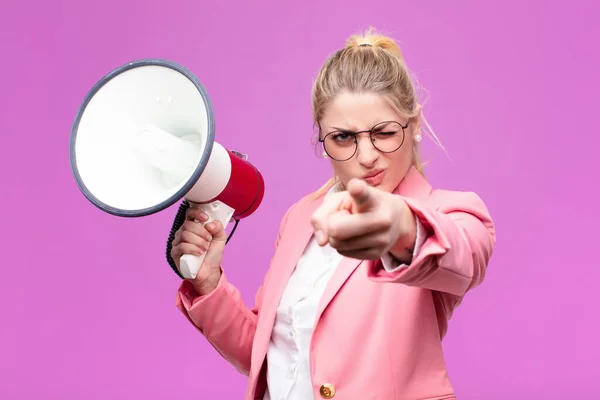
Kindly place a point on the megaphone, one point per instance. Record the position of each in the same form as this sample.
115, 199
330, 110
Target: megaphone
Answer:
144, 138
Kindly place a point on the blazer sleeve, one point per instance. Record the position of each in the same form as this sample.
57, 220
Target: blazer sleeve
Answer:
222, 317
460, 240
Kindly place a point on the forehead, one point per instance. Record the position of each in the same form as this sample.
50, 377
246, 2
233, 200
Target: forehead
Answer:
357, 111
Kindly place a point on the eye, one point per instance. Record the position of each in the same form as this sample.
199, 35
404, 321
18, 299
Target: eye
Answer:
384, 134
341, 136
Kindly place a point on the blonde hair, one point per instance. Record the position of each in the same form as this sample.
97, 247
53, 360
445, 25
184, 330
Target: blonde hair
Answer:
369, 62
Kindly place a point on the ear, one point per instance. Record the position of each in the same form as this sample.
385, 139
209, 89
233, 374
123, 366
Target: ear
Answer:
417, 117
418, 110
416, 129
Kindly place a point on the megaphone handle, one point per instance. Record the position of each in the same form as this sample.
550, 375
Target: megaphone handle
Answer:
190, 264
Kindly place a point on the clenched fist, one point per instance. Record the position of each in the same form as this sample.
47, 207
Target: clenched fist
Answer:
195, 238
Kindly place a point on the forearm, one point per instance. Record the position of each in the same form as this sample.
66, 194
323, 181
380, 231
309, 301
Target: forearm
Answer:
223, 319
219, 313
459, 243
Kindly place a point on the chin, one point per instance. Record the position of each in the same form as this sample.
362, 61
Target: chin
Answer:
387, 186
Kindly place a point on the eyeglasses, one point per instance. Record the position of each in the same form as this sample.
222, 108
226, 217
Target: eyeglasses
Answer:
387, 137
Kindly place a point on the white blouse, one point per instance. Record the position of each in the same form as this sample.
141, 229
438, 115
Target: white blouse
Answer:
288, 372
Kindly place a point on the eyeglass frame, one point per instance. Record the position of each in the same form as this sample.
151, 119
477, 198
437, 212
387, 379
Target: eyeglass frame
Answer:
370, 131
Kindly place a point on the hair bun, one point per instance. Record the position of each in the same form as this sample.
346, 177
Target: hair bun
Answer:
372, 38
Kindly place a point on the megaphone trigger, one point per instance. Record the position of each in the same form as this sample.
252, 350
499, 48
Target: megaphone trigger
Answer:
189, 264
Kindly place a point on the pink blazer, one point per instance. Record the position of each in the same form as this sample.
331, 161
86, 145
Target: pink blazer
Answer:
377, 334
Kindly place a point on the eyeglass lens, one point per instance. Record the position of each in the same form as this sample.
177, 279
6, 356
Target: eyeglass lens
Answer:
387, 137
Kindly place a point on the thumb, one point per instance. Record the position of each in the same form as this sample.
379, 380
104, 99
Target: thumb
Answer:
217, 244
216, 229
362, 194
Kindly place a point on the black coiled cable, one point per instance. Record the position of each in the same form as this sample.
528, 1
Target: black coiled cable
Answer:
177, 222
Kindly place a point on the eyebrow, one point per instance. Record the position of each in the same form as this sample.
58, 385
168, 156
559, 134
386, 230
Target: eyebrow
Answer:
335, 128
382, 122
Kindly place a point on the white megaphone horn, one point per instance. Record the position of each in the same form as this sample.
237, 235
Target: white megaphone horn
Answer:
144, 138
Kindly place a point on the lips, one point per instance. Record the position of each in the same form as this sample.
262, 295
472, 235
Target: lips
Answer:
372, 174
375, 177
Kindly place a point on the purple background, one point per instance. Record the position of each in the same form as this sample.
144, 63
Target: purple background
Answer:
87, 308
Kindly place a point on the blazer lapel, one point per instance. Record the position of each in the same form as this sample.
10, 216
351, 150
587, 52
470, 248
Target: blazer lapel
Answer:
345, 268
298, 237
292, 245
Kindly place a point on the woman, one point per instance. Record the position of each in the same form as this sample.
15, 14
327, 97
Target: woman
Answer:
367, 271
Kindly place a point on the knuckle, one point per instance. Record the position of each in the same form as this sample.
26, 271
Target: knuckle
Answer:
184, 247
315, 219
190, 249
188, 226
187, 237
198, 213
383, 221
194, 214
382, 242
333, 229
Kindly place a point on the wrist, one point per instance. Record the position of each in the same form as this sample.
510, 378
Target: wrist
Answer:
404, 246
207, 285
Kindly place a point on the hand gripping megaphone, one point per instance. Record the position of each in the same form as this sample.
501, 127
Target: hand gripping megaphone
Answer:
144, 138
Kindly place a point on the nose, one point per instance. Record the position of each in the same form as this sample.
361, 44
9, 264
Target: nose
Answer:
367, 153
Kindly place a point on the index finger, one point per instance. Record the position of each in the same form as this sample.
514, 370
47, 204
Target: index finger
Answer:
196, 214
362, 195
333, 204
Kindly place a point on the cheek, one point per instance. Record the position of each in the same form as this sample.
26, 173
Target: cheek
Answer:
400, 159
398, 164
